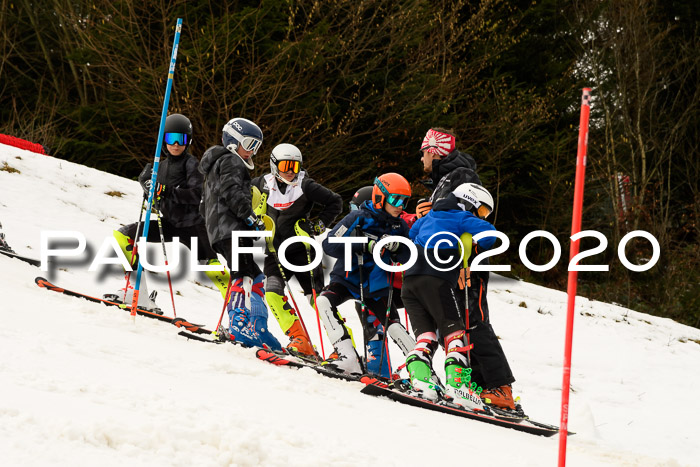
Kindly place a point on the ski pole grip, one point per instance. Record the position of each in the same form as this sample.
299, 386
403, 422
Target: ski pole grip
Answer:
466, 247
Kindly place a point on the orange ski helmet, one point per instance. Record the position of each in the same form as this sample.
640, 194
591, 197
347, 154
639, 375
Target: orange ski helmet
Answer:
391, 188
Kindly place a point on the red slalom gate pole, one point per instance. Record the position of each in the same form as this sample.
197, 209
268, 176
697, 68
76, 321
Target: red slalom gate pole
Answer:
573, 275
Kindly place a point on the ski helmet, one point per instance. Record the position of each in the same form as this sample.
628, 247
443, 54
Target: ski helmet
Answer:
360, 196
178, 129
475, 198
242, 133
392, 188
286, 157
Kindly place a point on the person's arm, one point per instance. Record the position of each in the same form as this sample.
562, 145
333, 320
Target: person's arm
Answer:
473, 225
191, 192
345, 228
332, 202
231, 188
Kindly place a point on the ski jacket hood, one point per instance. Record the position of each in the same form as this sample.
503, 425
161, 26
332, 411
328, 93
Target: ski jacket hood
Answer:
450, 172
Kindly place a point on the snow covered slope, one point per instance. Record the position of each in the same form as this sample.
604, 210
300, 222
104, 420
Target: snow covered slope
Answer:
83, 384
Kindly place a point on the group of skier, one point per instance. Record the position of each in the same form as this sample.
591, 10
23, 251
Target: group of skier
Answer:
215, 197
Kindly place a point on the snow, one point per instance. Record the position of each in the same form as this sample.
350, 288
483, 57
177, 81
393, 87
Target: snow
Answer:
85, 384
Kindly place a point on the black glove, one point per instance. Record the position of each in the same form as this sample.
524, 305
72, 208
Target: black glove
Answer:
312, 227
255, 222
159, 192
316, 227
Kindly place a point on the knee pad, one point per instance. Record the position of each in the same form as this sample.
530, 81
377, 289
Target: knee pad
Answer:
399, 335
284, 314
332, 321
275, 284
126, 244
219, 278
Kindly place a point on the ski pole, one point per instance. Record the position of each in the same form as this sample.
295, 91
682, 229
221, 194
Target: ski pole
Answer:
134, 249
363, 307
302, 233
385, 342
165, 255
156, 161
466, 245
228, 295
270, 225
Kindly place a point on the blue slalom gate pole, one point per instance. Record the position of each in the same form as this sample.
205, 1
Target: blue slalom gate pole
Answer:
156, 160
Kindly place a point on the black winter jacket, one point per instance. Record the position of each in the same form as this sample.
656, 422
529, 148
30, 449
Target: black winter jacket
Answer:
226, 199
286, 215
183, 189
450, 172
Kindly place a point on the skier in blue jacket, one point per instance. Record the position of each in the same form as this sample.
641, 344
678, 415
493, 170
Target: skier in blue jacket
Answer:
375, 219
429, 290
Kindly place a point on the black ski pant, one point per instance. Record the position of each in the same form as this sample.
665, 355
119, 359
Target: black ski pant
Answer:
297, 257
184, 234
432, 305
246, 263
490, 368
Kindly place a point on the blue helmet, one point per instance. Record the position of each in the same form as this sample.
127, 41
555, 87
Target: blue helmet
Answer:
242, 133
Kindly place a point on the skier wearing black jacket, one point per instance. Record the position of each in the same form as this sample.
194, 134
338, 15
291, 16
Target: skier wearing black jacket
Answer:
177, 195
226, 206
448, 169
289, 195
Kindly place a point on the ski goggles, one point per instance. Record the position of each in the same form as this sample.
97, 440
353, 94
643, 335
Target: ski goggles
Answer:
287, 165
179, 138
249, 143
398, 201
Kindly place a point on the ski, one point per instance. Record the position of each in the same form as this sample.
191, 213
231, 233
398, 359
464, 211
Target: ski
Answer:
26, 259
292, 362
179, 322
375, 387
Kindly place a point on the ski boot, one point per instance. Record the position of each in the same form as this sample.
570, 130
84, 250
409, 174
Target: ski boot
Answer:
500, 397
375, 357
347, 361
458, 378
299, 343
420, 376
3, 243
146, 302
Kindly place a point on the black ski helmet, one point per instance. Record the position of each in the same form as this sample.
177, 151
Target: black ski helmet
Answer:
178, 123
360, 196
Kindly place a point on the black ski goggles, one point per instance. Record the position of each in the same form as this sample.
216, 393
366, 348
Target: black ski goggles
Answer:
286, 166
179, 138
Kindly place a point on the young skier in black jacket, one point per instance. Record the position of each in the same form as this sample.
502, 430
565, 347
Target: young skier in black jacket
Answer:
226, 206
448, 169
177, 195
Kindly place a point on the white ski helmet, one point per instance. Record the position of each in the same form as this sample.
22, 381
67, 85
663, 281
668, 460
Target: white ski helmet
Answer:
286, 157
473, 197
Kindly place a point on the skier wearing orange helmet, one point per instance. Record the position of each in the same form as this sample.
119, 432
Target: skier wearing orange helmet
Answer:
376, 218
